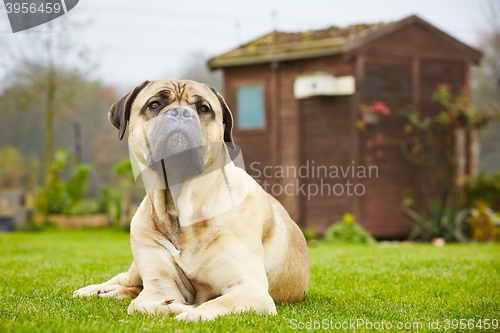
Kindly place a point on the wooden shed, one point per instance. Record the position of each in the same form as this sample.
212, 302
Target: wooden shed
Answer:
296, 99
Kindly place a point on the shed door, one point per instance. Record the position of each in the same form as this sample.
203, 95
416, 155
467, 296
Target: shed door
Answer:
325, 131
381, 206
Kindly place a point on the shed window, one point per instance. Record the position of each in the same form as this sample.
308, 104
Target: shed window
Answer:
251, 114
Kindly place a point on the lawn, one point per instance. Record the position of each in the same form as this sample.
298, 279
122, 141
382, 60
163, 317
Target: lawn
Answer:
405, 287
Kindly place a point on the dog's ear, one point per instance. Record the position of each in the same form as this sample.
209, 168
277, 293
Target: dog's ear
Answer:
227, 119
119, 113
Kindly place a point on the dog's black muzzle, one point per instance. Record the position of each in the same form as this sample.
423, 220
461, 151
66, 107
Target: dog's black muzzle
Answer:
172, 145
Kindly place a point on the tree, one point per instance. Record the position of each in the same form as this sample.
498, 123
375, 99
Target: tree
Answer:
486, 87
486, 78
34, 63
81, 101
17, 170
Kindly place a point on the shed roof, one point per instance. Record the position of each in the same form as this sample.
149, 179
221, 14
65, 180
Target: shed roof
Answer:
280, 46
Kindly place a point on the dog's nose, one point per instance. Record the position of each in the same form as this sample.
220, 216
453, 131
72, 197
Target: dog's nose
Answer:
181, 112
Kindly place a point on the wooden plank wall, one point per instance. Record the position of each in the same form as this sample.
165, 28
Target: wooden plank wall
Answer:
283, 141
401, 68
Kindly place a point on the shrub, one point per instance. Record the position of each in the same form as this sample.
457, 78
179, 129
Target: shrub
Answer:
17, 170
485, 188
110, 201
482, 223
437, 220
64, 197
68, 197
310, 234
348, 231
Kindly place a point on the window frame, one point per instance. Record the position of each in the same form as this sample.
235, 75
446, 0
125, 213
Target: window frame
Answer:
265, 119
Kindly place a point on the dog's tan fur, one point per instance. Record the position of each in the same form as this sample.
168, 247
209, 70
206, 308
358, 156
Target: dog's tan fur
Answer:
248, 258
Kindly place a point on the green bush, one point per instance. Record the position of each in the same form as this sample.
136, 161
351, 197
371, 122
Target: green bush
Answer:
68, 197
110, 201
484, 187
310, 235
57, 198
438, 219
348, 231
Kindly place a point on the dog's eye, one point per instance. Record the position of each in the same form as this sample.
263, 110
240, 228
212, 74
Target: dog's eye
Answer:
204, 108
154, 105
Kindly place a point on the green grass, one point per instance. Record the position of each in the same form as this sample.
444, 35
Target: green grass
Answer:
397, 283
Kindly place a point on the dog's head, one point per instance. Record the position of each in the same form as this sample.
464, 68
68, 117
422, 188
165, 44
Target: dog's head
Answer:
173, 118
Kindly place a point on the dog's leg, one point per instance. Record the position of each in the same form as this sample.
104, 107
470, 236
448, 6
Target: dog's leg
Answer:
241, 287
245, 297
128, 284
166, 290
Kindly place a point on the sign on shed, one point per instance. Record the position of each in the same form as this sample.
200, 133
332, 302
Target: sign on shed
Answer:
323, 84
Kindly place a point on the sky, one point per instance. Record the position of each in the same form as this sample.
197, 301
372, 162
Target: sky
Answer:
131, 41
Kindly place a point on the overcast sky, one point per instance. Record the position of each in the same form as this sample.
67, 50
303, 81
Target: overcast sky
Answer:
150, 39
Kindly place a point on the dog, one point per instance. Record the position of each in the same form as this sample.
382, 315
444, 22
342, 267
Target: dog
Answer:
207, 240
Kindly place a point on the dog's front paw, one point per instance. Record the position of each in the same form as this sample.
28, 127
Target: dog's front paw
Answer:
167, 306
114, 290
87, 291
195, 315
119, 291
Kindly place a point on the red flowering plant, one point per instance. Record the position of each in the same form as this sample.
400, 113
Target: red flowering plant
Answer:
432, 140
377, 107
370, 114
444, 145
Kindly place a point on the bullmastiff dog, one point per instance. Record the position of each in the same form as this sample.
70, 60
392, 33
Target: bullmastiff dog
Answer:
206, 240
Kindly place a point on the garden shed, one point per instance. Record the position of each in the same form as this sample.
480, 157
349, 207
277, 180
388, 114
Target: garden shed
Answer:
296, 100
